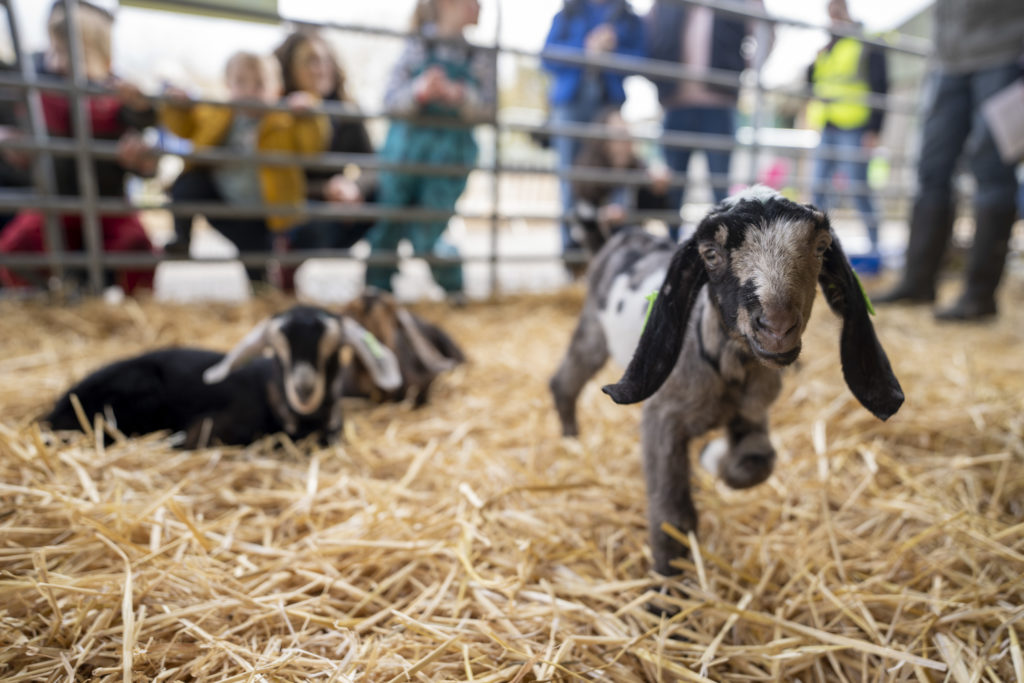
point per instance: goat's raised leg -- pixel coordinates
(667, 475)
(745, 457)
(587, 353)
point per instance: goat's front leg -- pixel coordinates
(667, 475)
(331, 433)
(743, 458)
(587, 352)
(279, 406)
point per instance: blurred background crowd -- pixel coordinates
(473, 132)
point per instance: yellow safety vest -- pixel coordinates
(840, 84)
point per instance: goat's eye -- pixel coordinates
(824, 242)
(711, 257)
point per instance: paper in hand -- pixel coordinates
(1004, 114)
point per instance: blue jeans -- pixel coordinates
(953, 124)
(710, 120)
(587, 105)
(834, 142)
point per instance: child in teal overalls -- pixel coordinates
(439, 75)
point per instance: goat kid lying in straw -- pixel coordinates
(748, 277)
(236, 398)
(423, 349)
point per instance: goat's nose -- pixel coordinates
(777, 322)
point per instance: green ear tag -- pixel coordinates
(650, 307)
(867, 301)
(372, 344)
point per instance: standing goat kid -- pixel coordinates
(237, 397)
(748, 277)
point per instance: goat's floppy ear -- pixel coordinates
(866, 368)
(251, 345)
(432, 359)
(441, 340)
(662, 338)
(378, 359)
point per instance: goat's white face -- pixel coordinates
(763, 268)
(304, 349)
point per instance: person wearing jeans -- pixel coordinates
(845, 73)
(842, 151)
(978, 45)
(578, 94)
(703, 41)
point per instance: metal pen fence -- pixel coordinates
(85, 150)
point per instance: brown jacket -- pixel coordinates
(207, 125)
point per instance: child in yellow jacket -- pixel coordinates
(251, 79)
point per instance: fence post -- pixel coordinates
(86, 170)
(496, 173)
(755, 116)
(43, 175)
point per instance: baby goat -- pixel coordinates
(748, 278)
(215, 397)
(423, 349)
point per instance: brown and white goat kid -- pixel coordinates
(733, 304)
(423, 349)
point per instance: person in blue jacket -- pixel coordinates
(578, 94)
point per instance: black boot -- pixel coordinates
(992, 228)
(931, 224)
(182, 242)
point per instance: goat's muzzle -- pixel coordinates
(304, 388)
(776, 334)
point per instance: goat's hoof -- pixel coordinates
(749, 470)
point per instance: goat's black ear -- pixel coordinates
(430, 356)
(662, 338)
(866, 368)
(441, 340)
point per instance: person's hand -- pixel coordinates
(135, 155)
(601, 39)
(453, 93)
(15, 157)
(611, 214)
(177, 96)
(869, 140)
(430, 85)
(342, 190)
(130, 95)
(301, 101)
(660, 175)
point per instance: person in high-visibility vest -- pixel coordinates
(977, 52)
(843, 77)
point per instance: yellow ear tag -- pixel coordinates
(867, 301)
(650, 307)
(372, 344)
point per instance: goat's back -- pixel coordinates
(157, 390)
(627, 270)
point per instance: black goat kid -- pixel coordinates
(237, 397)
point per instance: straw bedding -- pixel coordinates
(467, 541)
